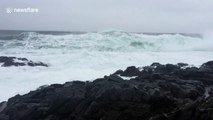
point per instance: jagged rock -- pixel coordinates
(183, 64)
(131, 71)
(159, 92)
(3, 105)
(207, 67)
(118, 72)
(13, 61)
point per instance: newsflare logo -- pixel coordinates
(22, 10)
(9, 10)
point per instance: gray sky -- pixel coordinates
(95, 15)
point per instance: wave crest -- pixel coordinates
(111, 40)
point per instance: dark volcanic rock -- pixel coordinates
(13, 61)
(131, 71)
(207, 67)
(159, 92)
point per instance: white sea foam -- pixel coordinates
(92, 55)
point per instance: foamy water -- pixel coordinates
(92, 55)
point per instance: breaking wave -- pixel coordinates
(109, 40)
(87, 56)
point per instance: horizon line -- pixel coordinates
(79, 31)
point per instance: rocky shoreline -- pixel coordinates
(14, 61)
(155, 92)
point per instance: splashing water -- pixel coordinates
(91, 55)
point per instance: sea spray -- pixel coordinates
(92, 55)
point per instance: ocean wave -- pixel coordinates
(109, 40)
(92, 55)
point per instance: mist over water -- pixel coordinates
(87, 56)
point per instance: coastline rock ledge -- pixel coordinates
(155, 92)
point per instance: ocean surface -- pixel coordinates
(89, 55)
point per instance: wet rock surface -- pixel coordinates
(157, 92)
(14, 61)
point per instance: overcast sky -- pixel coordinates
(95, 15)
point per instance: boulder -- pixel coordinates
(131, 71)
